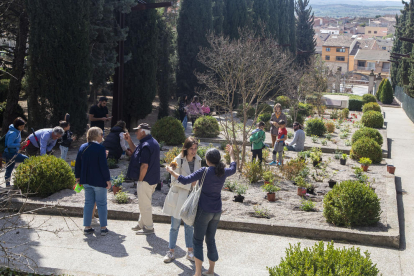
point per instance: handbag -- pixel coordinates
(188, 211)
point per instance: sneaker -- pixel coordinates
(205, 273)
(95, 221)
(136, 228)
(145, 231)
(88, 231)
(279, 164)
(169, 257)
(190, 256)
(273, 163)
(104, 232)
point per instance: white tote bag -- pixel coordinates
(189, 210)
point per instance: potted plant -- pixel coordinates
(391, 169)
(271, 191)
(310, 189)
(343, 159)
(268, 177)
(240, 191)
(117, 182)
(316, 156)
(302, 185)
(365, 162)
(332, 182)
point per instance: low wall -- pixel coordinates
(407, 103)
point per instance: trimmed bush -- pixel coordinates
(345, 113)
(366, 147)
(355, 104)
(330, 126)
(170, 130)
(387, 95)
(379, 91)
(44, 175)
(369, 98)
(320, 261)
(264, 108)
(250, 112)
(306, 109)
(351, 203)
(367, 132)
(372, 119)
(299, 118)
(284, 101)
(206, 127)
(265, 118)
(315, 126)
(371, 106)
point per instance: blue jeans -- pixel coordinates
(63, 152)
(95, 194)
(205, 224)
(175, 227)
(19, 159)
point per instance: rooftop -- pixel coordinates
(385, 42)
(363, 44)
(377, 55)
(338, 41)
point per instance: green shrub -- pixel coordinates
(352, 204)
(170, 130)
(253, 171)
(367, 132)
(264, 108)
(265, 118)
(355, 104)
(122, 197)
(345, 113)
(369, 98)
(44, 175)
(379, 91)
(250, 112)
(284, 101)
(299, 118)
(320, 261)
(366, 147)
(372, 119)
(387, 95)
(305, 109)
(315, 126)
(206, 127)
(371, 106)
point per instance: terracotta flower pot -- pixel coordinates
(391, 169)
(267, 182)
(301, 191)
(271, 197)
(364, 168)
(115, 189)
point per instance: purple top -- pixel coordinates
(210, 198)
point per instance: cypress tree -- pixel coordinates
(140, 72)
(396, 49)
(283, 26)
(260, 15)
(236, 17)
(273, 24)
(194, 23)
(404, 67)
(218, 16)
(59, 61)
(292, 26)
(305, 34)
(387, 96)
(379, 91)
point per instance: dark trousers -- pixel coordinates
(32, 150)
(205, 225)
(257, 153)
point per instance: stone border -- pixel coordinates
(391, 238)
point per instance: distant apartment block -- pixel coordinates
(375, 31)
(331, 30)
(336, 51)
(377, 60)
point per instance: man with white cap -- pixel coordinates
(144, 166)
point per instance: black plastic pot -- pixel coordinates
(331, 183)
(316, 163)
(310, 190)
(343, 161)
(238, 198)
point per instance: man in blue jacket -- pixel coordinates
(47, 138)
(144, 167)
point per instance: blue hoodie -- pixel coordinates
(13, 139)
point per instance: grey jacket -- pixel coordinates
(273, 129)
(298, 141)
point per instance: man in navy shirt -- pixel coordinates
(144, 166)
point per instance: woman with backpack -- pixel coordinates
(12, 147)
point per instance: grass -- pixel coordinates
(351, 96)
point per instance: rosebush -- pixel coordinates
(371, 106)
(206, 127)
(366, 147)
(372, 119)
(367, 132)
(284, 101)
(170, 130)
(351, 203)
(315, 126)
(44, 175)
(369, 98)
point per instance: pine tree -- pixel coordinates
(273, 24)
(59, 60)
(396, 49)
(194, 23)
(305, 34)
(379, 91)
(218, 16)
(260, 15)
(236, 17)
(140, 82)
(387, 96)
(292, 26)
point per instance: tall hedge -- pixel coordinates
(59, 59)
(387, 95)
(378, 94)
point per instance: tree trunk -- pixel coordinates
(17, 72)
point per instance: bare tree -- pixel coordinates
(246, 69)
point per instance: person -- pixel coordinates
(280, 144)
(194, 110)
(145, 167)
(91, 170)
(257, 139)
(205, 108)
(12, 147)
(115, 142)
(182, 106)
(98, 114)
(47, 138)
(188, 162)
(277, 116)
(298, 142)
(66, 139)
(209, 205)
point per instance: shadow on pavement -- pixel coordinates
(110, 244)
(400, 205)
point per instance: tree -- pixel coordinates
(140, 81)
(236, 17)
(305, 34)
(408, 31)
(194, 22)
(274, 15)
(387, 95)
(379, 91)
(218, 16)
(249, 67)
(59, 61)
(396, 49)
(292, 26)
(260, 15)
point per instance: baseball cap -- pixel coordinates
(143, 126)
